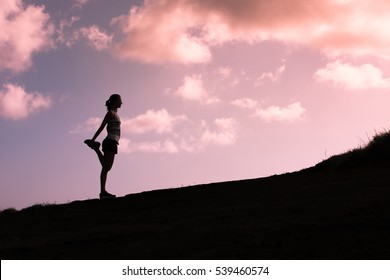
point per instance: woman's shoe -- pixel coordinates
(94, 145)
(104, 195)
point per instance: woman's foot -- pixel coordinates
(105, 194)
(92, 144)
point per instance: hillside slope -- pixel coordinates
(339, 209)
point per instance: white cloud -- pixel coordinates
(25, 30)
(158, 121)
(157, 147)
(193, 89)
(89, 125)
(65, 33)
(352, 77)
(16, 103)
(169, 138)
(225, 132)
(271, 76)
(224, 72)
(80, 3)
(292, 112)
(97, 38)
(245, 103)
(68, 35)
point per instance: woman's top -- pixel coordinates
(114, 127)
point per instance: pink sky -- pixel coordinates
(212, 90)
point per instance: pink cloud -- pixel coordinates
(97, 38)
(245, 103)
(89, 125)
(224, 72)
(16, 103)
(25, 30)
(271, 76)
(157, 147)
(170, 138)
(335, 27)
(225, 132)
(292, 112)
(80, 3)
(158, 121)
(184, 31)
(193, 89)
(158, 32)
(65, 34)
(352, 77)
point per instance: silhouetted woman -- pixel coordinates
(110, 143)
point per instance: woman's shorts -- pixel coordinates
(110, 145)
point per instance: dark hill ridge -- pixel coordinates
(339, 209)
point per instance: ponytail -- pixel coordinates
(108, 104)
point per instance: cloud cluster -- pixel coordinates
(96, 37)
(271, 76)
(290, 113)
(89, 125)
(80, 3)
(25, 30)
(184, 31)
(158, 32)
(175, 133)
(192, 138)
(245, 102)
(157, 121)
(154, 121)
(157, 147)
(225, 132)
(65, 33)
(193, 89)
(16, 103)
(352, 77)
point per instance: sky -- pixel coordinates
(212, 90)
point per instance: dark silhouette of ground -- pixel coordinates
(339, 209)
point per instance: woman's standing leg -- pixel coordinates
(108, 161)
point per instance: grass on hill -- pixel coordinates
(375, 151)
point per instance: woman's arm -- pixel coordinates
(102, 126)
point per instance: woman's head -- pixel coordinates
(114, 102)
